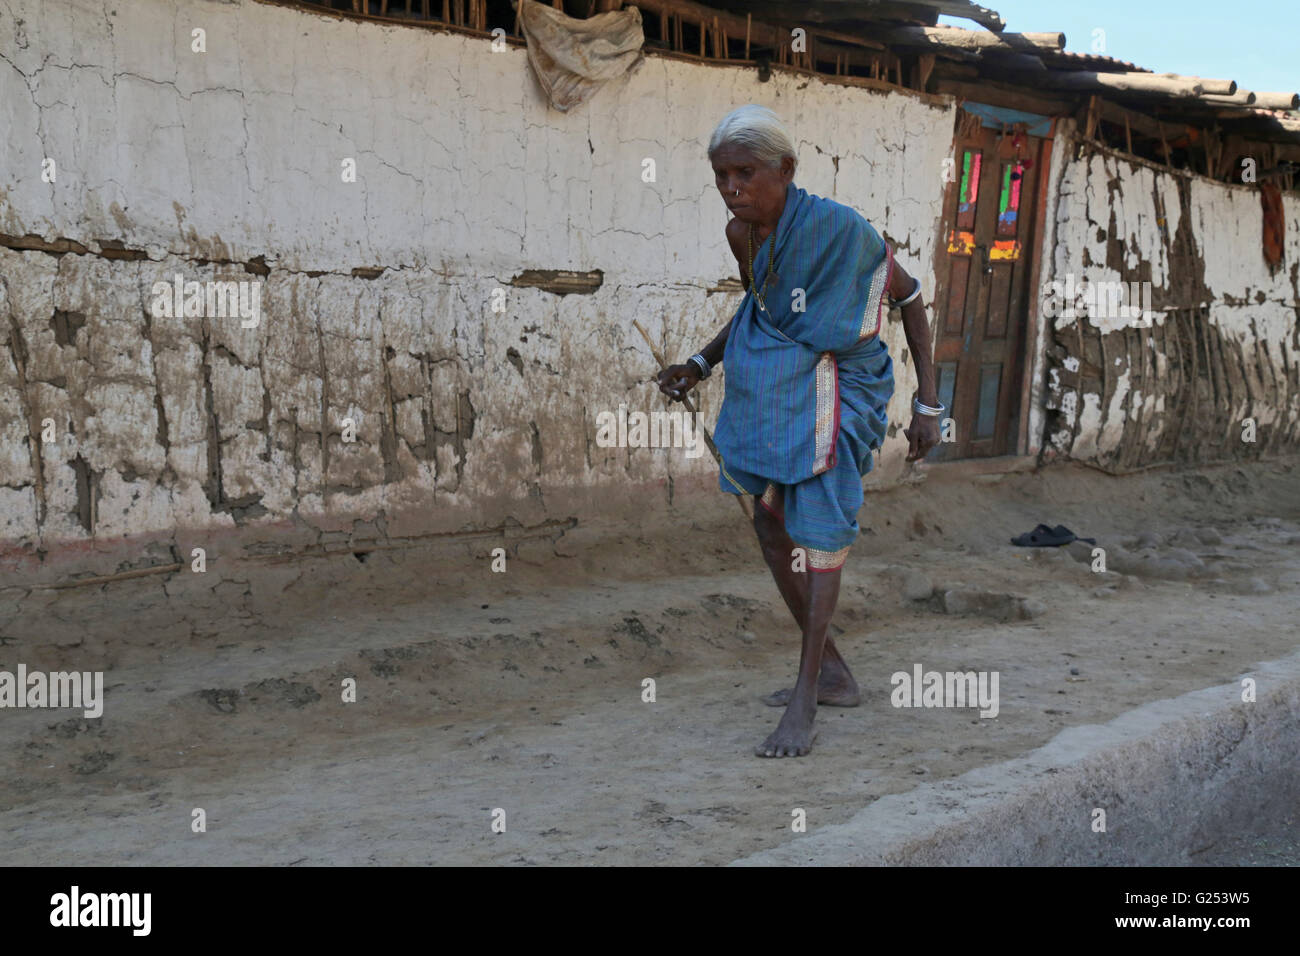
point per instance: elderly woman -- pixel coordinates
(808, 382)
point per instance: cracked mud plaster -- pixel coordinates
(378, 304)
(1224, 345)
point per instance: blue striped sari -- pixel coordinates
(808, 378)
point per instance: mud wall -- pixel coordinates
(1221, 344)
(466, 302)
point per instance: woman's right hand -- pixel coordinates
(676, 380)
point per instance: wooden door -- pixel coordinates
(983, 298)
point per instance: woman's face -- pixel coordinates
(752, 190)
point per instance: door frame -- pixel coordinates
(1019, 447)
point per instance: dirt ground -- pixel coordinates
(523, 691)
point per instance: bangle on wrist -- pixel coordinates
(701, 363)
(916, 290)
(921, 408)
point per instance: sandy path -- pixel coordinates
(533, 704)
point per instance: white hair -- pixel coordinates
(757, 129)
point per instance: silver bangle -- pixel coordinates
(899, 303)
(922, 409)
(700, 362)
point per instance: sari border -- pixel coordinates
(722, 466)
(872, 314)
(771, 500)
(826, 560)
(826, 425)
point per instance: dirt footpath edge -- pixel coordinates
(1172, 777)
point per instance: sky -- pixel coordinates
(1256, 43)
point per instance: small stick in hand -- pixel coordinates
(686, 400)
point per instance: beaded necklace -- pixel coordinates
(767, 276)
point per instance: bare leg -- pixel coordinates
(835, 684)
(794, 734)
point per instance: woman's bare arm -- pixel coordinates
(917, 328)
(676, 380)
(713, 351)
(736, 239)
(923, 434)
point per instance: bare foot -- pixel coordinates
(835, 688)
(831, 698)
(793, 737)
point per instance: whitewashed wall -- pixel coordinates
(466, 418)
(1130, 393)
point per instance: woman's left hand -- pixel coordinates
(922, 435)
